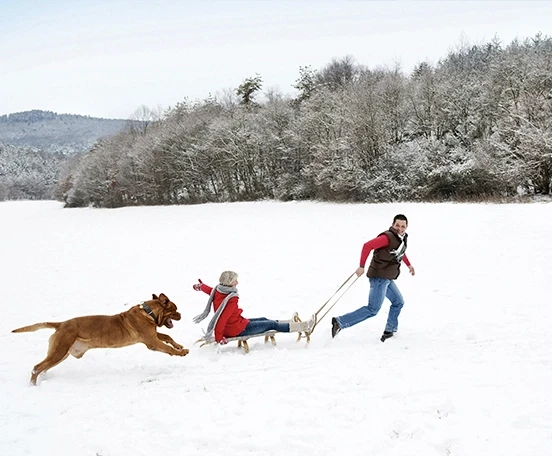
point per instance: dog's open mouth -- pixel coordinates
(169, 323)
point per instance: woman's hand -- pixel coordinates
(197, 286)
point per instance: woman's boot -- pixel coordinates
(303, 326)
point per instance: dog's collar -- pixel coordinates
(149, 311)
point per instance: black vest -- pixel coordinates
(386, 262)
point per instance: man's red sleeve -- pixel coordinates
(377, 243)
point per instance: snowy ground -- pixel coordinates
(469, 373)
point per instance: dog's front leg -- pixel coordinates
(157, 345)
(169, 340)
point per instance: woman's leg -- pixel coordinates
(259, 326)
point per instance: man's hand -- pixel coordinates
(359, 271)
(197, 286)
(411, 270)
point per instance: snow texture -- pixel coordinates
(469, 373)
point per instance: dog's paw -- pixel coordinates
(183, 352)
(178, 346)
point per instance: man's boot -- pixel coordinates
(335, 327)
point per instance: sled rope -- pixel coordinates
(347, 280)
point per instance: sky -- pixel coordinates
(107, 58)
(468, 373)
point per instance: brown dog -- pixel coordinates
(138, 324)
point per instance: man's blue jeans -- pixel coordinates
(379, 289)
(261, 325)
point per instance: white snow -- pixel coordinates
(469, 373)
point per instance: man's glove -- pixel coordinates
(197, 286)
(223, 341)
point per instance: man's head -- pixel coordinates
(400, 223)
(229, 278)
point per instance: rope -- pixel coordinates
(336, 301)
(319, 319)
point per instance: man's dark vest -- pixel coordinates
(386, 262)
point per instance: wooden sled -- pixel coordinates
(242, 340)
(268, 335)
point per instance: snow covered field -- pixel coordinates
(469, 373)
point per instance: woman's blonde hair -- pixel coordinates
(227, 277)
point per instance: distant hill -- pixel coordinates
(46, 130)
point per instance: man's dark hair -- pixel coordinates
(400, 217)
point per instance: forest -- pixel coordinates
(474, 126)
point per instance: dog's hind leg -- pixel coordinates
(48, 363)
(58, 350)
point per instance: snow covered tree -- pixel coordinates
(306, 83)
(338, 73)
(248, 88)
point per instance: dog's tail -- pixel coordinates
(36, 327)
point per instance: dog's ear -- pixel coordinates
(154, 296)
(163, 299)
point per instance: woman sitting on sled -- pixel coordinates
(228, 320)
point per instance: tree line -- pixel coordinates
(28, 173)
(476, 125)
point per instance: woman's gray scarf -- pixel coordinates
(230, 292)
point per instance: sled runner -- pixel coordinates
(242, 340)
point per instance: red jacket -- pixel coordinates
(230, 322)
